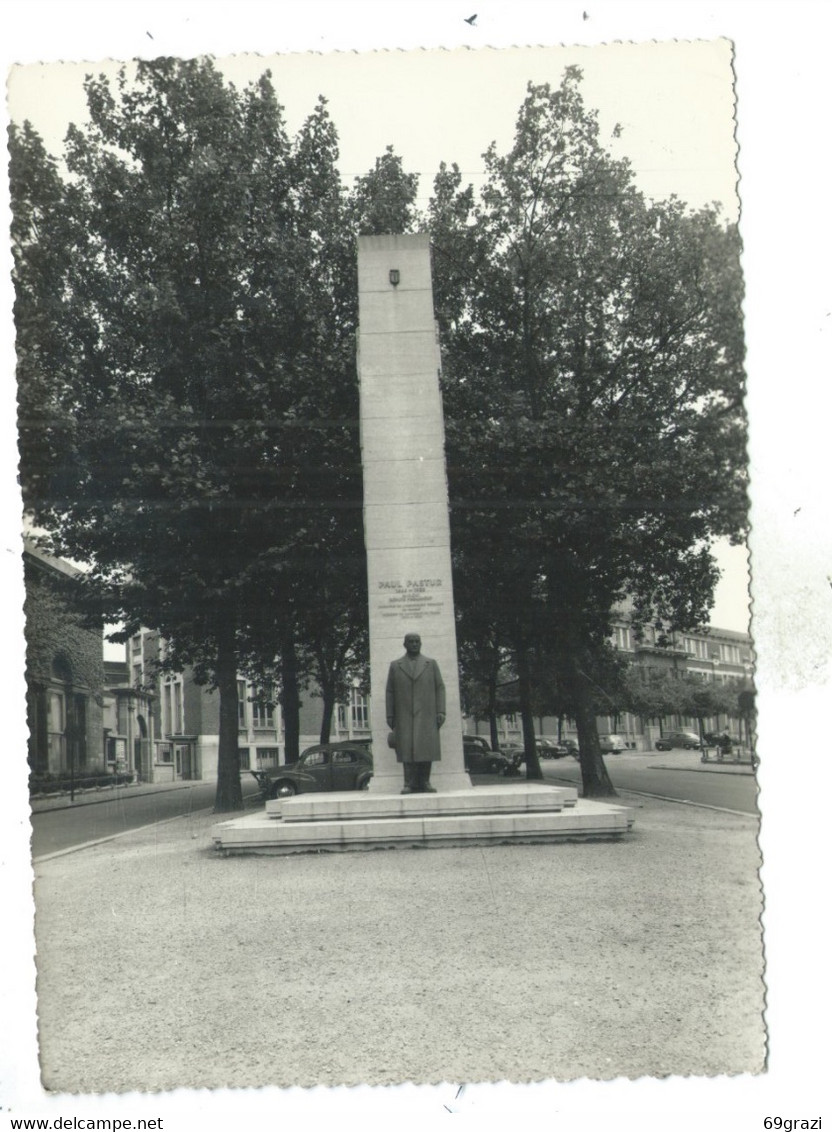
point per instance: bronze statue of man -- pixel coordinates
(415, 712)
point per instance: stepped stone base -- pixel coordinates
(488, 814)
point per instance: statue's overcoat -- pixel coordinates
(413, 703)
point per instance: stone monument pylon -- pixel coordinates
(407, 533)
(406, 522)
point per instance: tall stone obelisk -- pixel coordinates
(406, 522)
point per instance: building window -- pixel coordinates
(730, 654)
(621, 638)
(242, 701)
(267, 756)
(359, 710)
(173, 722)
(262, 715)
(696, 647)
(77, 728)
(56, 730)
(245, 759)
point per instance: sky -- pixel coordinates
(784, 90)
(674, 103)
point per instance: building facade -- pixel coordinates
(181, 728)
(720, 656)
(128, 725)
(65, 679)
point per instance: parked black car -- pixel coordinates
(551, 749)
(325, 767)
(687, 740)
(481, 759)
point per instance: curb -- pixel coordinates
(694, 805)
(748, 772)
(112, 837)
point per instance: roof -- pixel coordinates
(60, 565)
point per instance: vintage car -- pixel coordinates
(687, 740)
(480, 758)
(325, 767)
(612, 744)
(551, 749)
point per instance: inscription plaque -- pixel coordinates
(410, 599)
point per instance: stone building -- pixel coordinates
(65, 680)
(719, 655)
(722, 656)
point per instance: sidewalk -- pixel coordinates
(692, 760)
(62, 801)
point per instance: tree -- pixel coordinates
(652, 696)
(593, 392)
(656, 696)
(189, 437)
(383, 200)
(702, 699)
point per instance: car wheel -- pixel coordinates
(363, 783)
(284, 789)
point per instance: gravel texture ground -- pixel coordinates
(162, 964)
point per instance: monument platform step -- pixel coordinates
(259, 833)
(363, 805)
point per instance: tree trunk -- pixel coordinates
(533, 770)
(596, 781)
(229, 795)
(492, 712)
(328, 696)
(290, 700)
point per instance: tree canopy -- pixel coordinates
(191, 414)
(593, 390)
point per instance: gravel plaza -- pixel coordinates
(522, 963)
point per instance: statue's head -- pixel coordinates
(412, 644)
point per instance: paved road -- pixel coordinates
(70, 825)
(725, 787)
